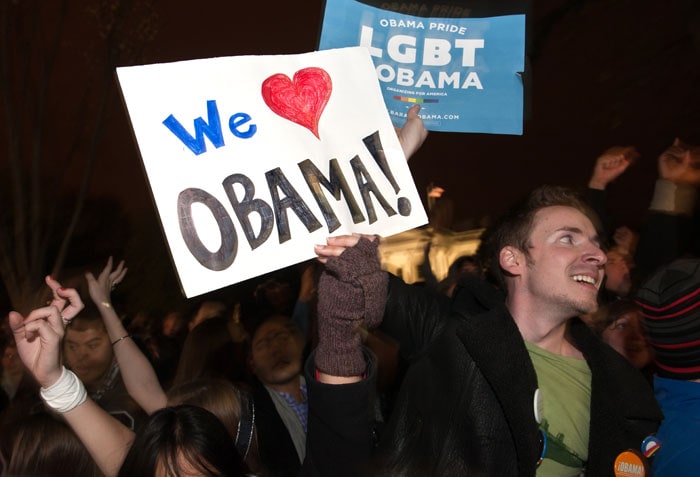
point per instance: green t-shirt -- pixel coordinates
(565, 390)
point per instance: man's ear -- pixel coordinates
(511, 260)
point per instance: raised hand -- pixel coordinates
(611, 164)
(336, 245)
(626, 239)
(680, 164)
(101, 287)
(412, 134)
(66, 300)
(352, 293)
(38, 335)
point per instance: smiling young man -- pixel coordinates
(510, 383)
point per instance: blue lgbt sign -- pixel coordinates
(466, 73)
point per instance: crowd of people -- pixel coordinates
(569, 345)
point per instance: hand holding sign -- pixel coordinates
(302, 100)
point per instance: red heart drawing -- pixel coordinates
(301, 100)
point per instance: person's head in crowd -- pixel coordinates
(274, 296)
(210, 352)
(670, 303)
(276, 351)
(233, 406)
(173, 324)
(140, 324)
(207, 310)
(44, 446)
(182, 441)
(619, 324)
(87, 349)
(550, 232)
(618, 268)
(466, 264)
(12, 367)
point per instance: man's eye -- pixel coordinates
(567, 239)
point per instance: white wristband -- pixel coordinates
(65, 394)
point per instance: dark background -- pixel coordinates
(603, 73)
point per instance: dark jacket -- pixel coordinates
(341, 424)
(466, 404)
(277, 451)
(340, 428)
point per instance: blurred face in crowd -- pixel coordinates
(11, 364)
(276, 353)
(207, 310)
(626, 336)
(278, 295)
(173, 323)
(617, 272)
(88, 353)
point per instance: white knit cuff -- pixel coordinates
(65, 394)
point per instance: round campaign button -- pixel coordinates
(537, 406)
(650, 445)
(631, 463)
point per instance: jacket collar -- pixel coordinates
(494, 342)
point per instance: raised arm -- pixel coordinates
(137, 373)
(610, 165)
(351, 294)
(668, 229)
(340, 374)
(412, 315)
(412, 134)
(38, 337)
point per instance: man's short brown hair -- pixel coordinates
(88, 318)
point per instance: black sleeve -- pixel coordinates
(340, 432)
(414, 315)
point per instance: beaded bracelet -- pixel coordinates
(119, 339)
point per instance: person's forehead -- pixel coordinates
(559, 216)
(84, 335)
(271, 326)
(631, 315)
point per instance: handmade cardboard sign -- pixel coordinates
(252, 160)
(466, 73)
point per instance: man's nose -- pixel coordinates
(595, 254)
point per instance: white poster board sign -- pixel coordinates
(252, 160)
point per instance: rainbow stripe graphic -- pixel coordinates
(415, 100)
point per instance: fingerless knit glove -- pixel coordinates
(352, 292)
